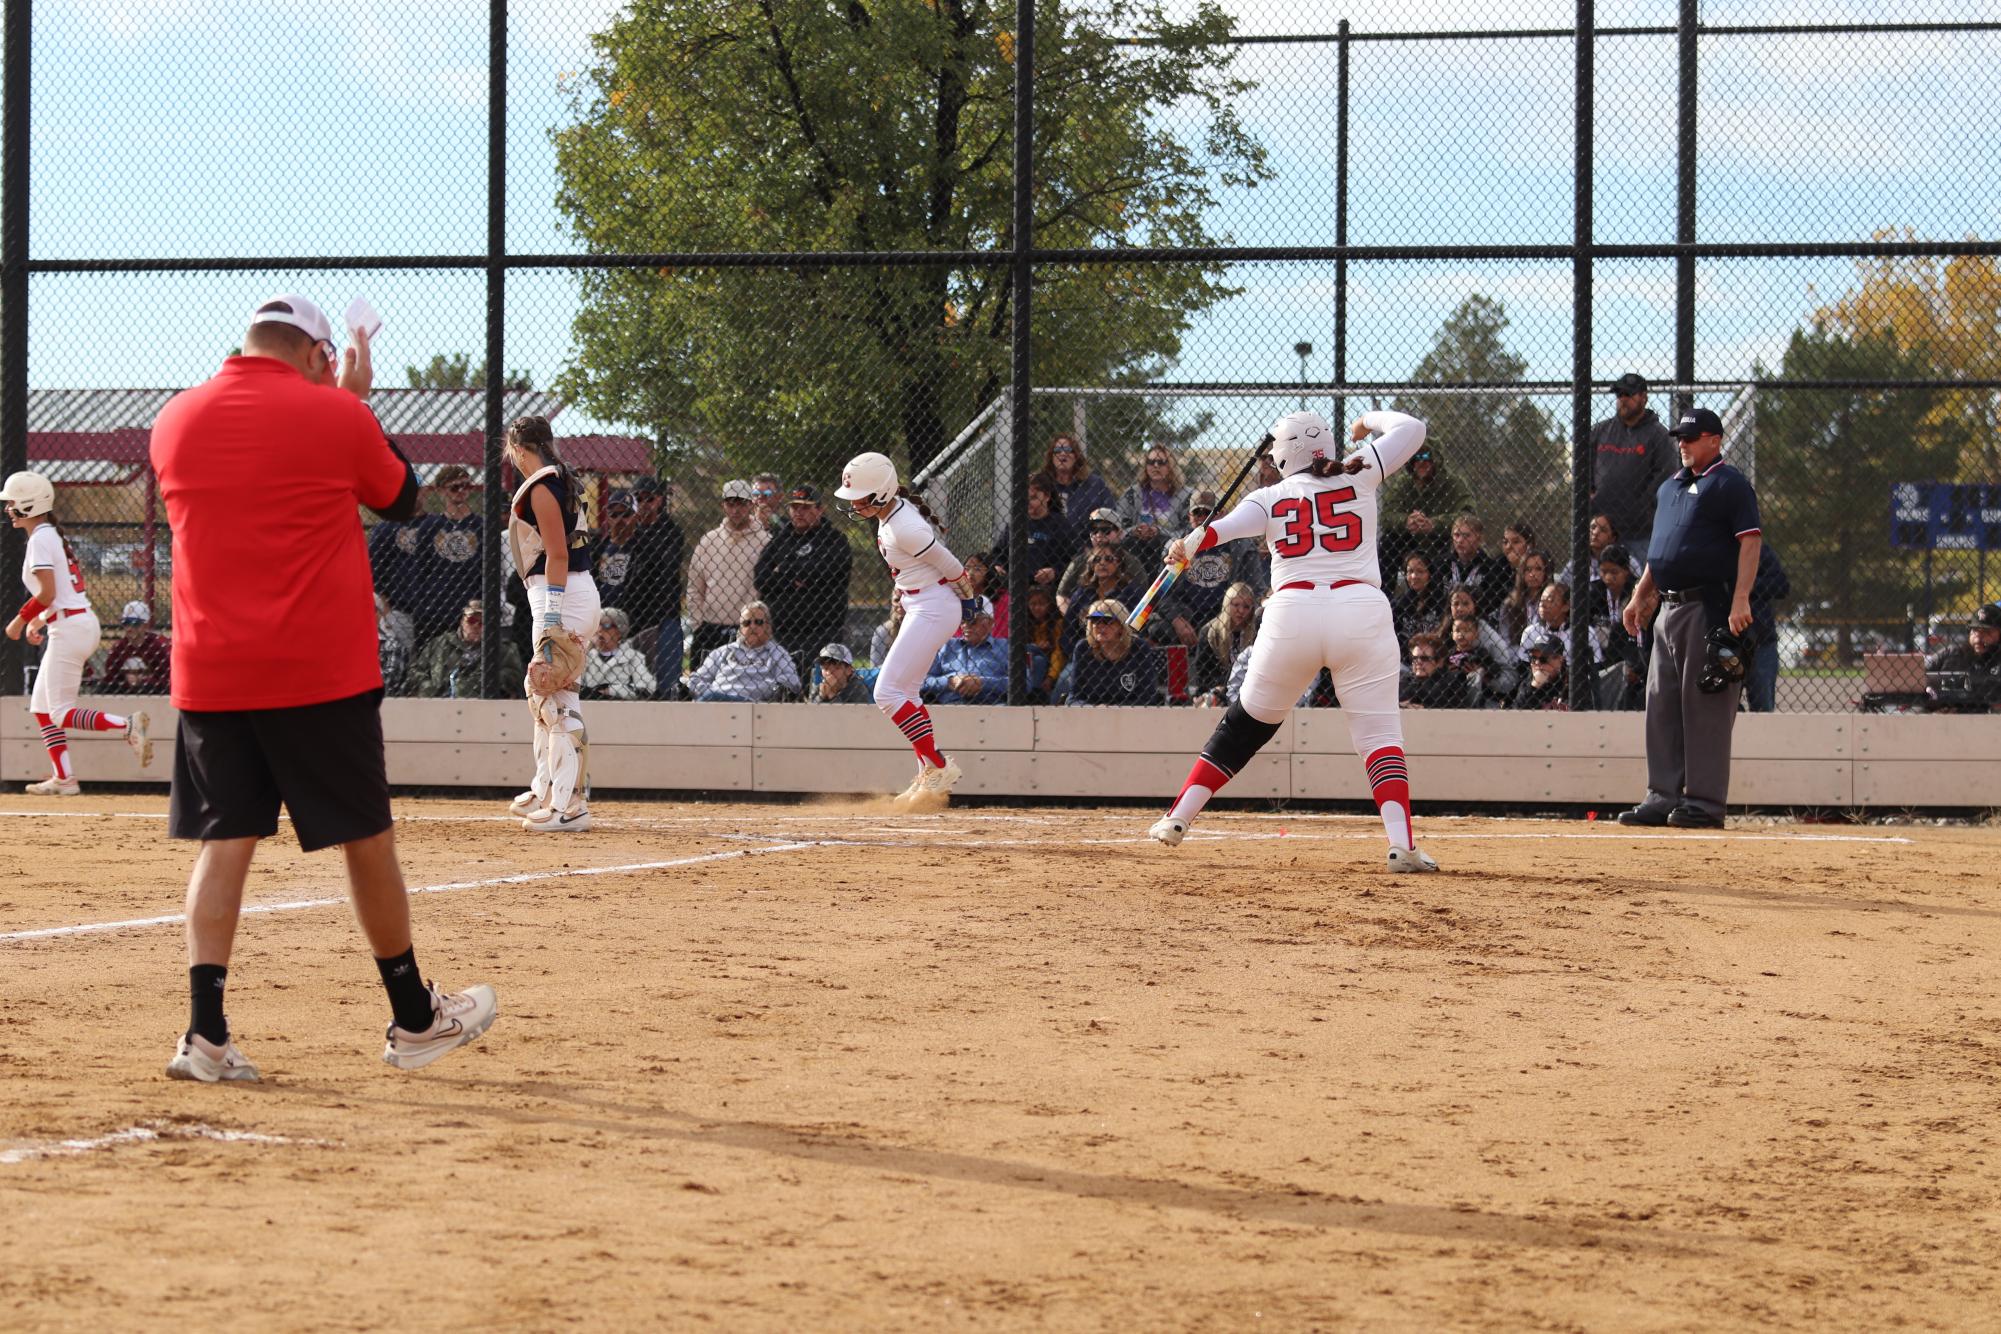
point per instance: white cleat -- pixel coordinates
(909, 793)
(546, 821)
(139, 736)
(199, 1059)
(456, 1019)
(1168, 830)
(1410, 861)
(527, 803)
(56, 787)
(940, 782)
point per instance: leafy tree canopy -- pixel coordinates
(456, 372)
(883, 125)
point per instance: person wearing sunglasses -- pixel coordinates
(1155, 506)
(446, 560)
(753, 669)
(1080, 492)
(1104, 533)
(1429, 685)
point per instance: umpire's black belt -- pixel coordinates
(1674, 597)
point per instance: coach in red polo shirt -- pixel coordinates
(276, 663)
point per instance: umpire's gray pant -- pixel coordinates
(1688, 732)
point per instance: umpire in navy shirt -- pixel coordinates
(1700, 568)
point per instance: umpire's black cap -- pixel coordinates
(1695, 422)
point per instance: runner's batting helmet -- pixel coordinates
(29, 493)
(1298, 438)
(870, 477)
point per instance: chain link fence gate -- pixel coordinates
(724, 250)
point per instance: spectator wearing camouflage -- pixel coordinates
(447, 667)
(1418, 506)
(1631, 455)
(722, 572)
(838, 682)
(802, 575)
(665, 547)
(446, 563)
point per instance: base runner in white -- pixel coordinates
(931, 584)
(1327, 609)
(57, 611)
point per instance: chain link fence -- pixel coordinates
(725, 247)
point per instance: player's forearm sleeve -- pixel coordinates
(1400, 435)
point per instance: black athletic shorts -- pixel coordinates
(323, 761)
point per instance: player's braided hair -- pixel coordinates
(922, 508)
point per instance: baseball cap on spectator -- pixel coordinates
(803, 494)
(1548, 648)
(135, 613)
(620, 500)
(474, 608)
(736, 489)
(616, 618)
(1202, 500)
(838, 652)
(133, 665)
(298, 312)
(1629, 383)
(1104, 514)
(1695, 422)
(1614, 554)
(1989, 616)
(648, 486)
(1102, 616)
(981, 607)
(450, 473)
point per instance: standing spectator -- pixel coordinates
(278, 689)
(1045, 643)
(1518, 611)
(1105, 534)
(838, 682)
(633, 575)
(971, 669)
(1198, 593)
(1049, 542)
(138, 639)
(1630, 457)
(614, 669)
(1470, 566)
(1080, 493)
(1107, 581)
(722, 572)
(1546, 685)
(1420, 608)
(802, 575)
(392, 563)
(1227, 635)
(446, 568)
(764, 492)
(1701, 566)
(1114, 666)
(1155, 507)
(1418, 505)
(1429, 685)
(657, 597)
(1979, 657)
(447, 667)
(753, 669)
(1761, 678)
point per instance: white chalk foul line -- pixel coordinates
(522, 878)
(150, 1133)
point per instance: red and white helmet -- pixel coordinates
(1298, 438)
(870, 477)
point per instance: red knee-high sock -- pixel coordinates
(1203, 781)
(916, 724)
(58, 744)
(91, 720)
(1389, 784)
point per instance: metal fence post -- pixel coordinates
(1341, 87)
(494, 507)
(1583, 680)
(1023, 378)
(19, 23)
(1684, 213)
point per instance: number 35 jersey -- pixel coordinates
(1322, 530)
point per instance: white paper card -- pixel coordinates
(362, 316)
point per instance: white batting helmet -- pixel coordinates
(1298, 438)
(29, 493)
(870, 477)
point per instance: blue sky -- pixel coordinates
(199, 127)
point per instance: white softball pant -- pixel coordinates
(71, 641)
(558, 767)
(930, 615)
(1347, 630)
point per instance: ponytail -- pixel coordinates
(918, 501)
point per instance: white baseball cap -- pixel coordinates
(135, 613)
(298, 312)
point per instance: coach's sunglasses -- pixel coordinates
(755, 620)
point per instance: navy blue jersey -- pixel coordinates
(579, 541)
(1698, 520)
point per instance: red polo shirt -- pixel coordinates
(273, 604)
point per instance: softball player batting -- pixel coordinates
(930, 583)
(1327, 609)
(57, 610)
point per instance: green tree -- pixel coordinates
(456, 372)
(1826, 462)
(1501, 445)
(883, 125)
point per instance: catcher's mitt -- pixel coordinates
(558, 663)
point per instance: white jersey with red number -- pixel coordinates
(916, 557)
(1322, 530)
(46, 552)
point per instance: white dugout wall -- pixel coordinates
(1831, 760)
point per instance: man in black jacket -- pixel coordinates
(802, 575)
(662, 545)
(1631, 455)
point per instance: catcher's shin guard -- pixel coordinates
(563, 771)
(581, 739)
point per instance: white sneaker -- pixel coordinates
(527, 803)
(1168, 830)
(547, 821)
(56, 787)
(456, 1019)
(199, 1059)
(138, 735)
(1409, 861)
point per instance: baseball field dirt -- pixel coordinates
(821, 1066)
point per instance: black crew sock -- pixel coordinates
(205, 981)
(408, 996)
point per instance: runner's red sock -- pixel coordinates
(57, 743)
(1389, 784)
(916, 724)
(91, 720)
(1203, 781)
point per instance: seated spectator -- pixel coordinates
(133, 678)
(1469, 565)
(1553, 623)
(1045, 643)
(1241, 668)
(1547, 685)
(1979, 657)
(392, 622)
(1608, 595)
(980, 576)
(1517, 541)
(448, 666)
(1429, 685)
(1105, 535)
(1519, 609)
(393, 653)
(1114, 666)
(753, 669)
(1227, 635)
(613, 668)
(1199, 591)
(1155, 507)
(1420, 608)
(1460, 602)
(838, 682)
(971, 669)
(1488, 669)
(138, 639)
(1417, 507)
(1599, 536)
(1105, 578)
(1049, 542)
(885, 634)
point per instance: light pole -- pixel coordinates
(1304, 350)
